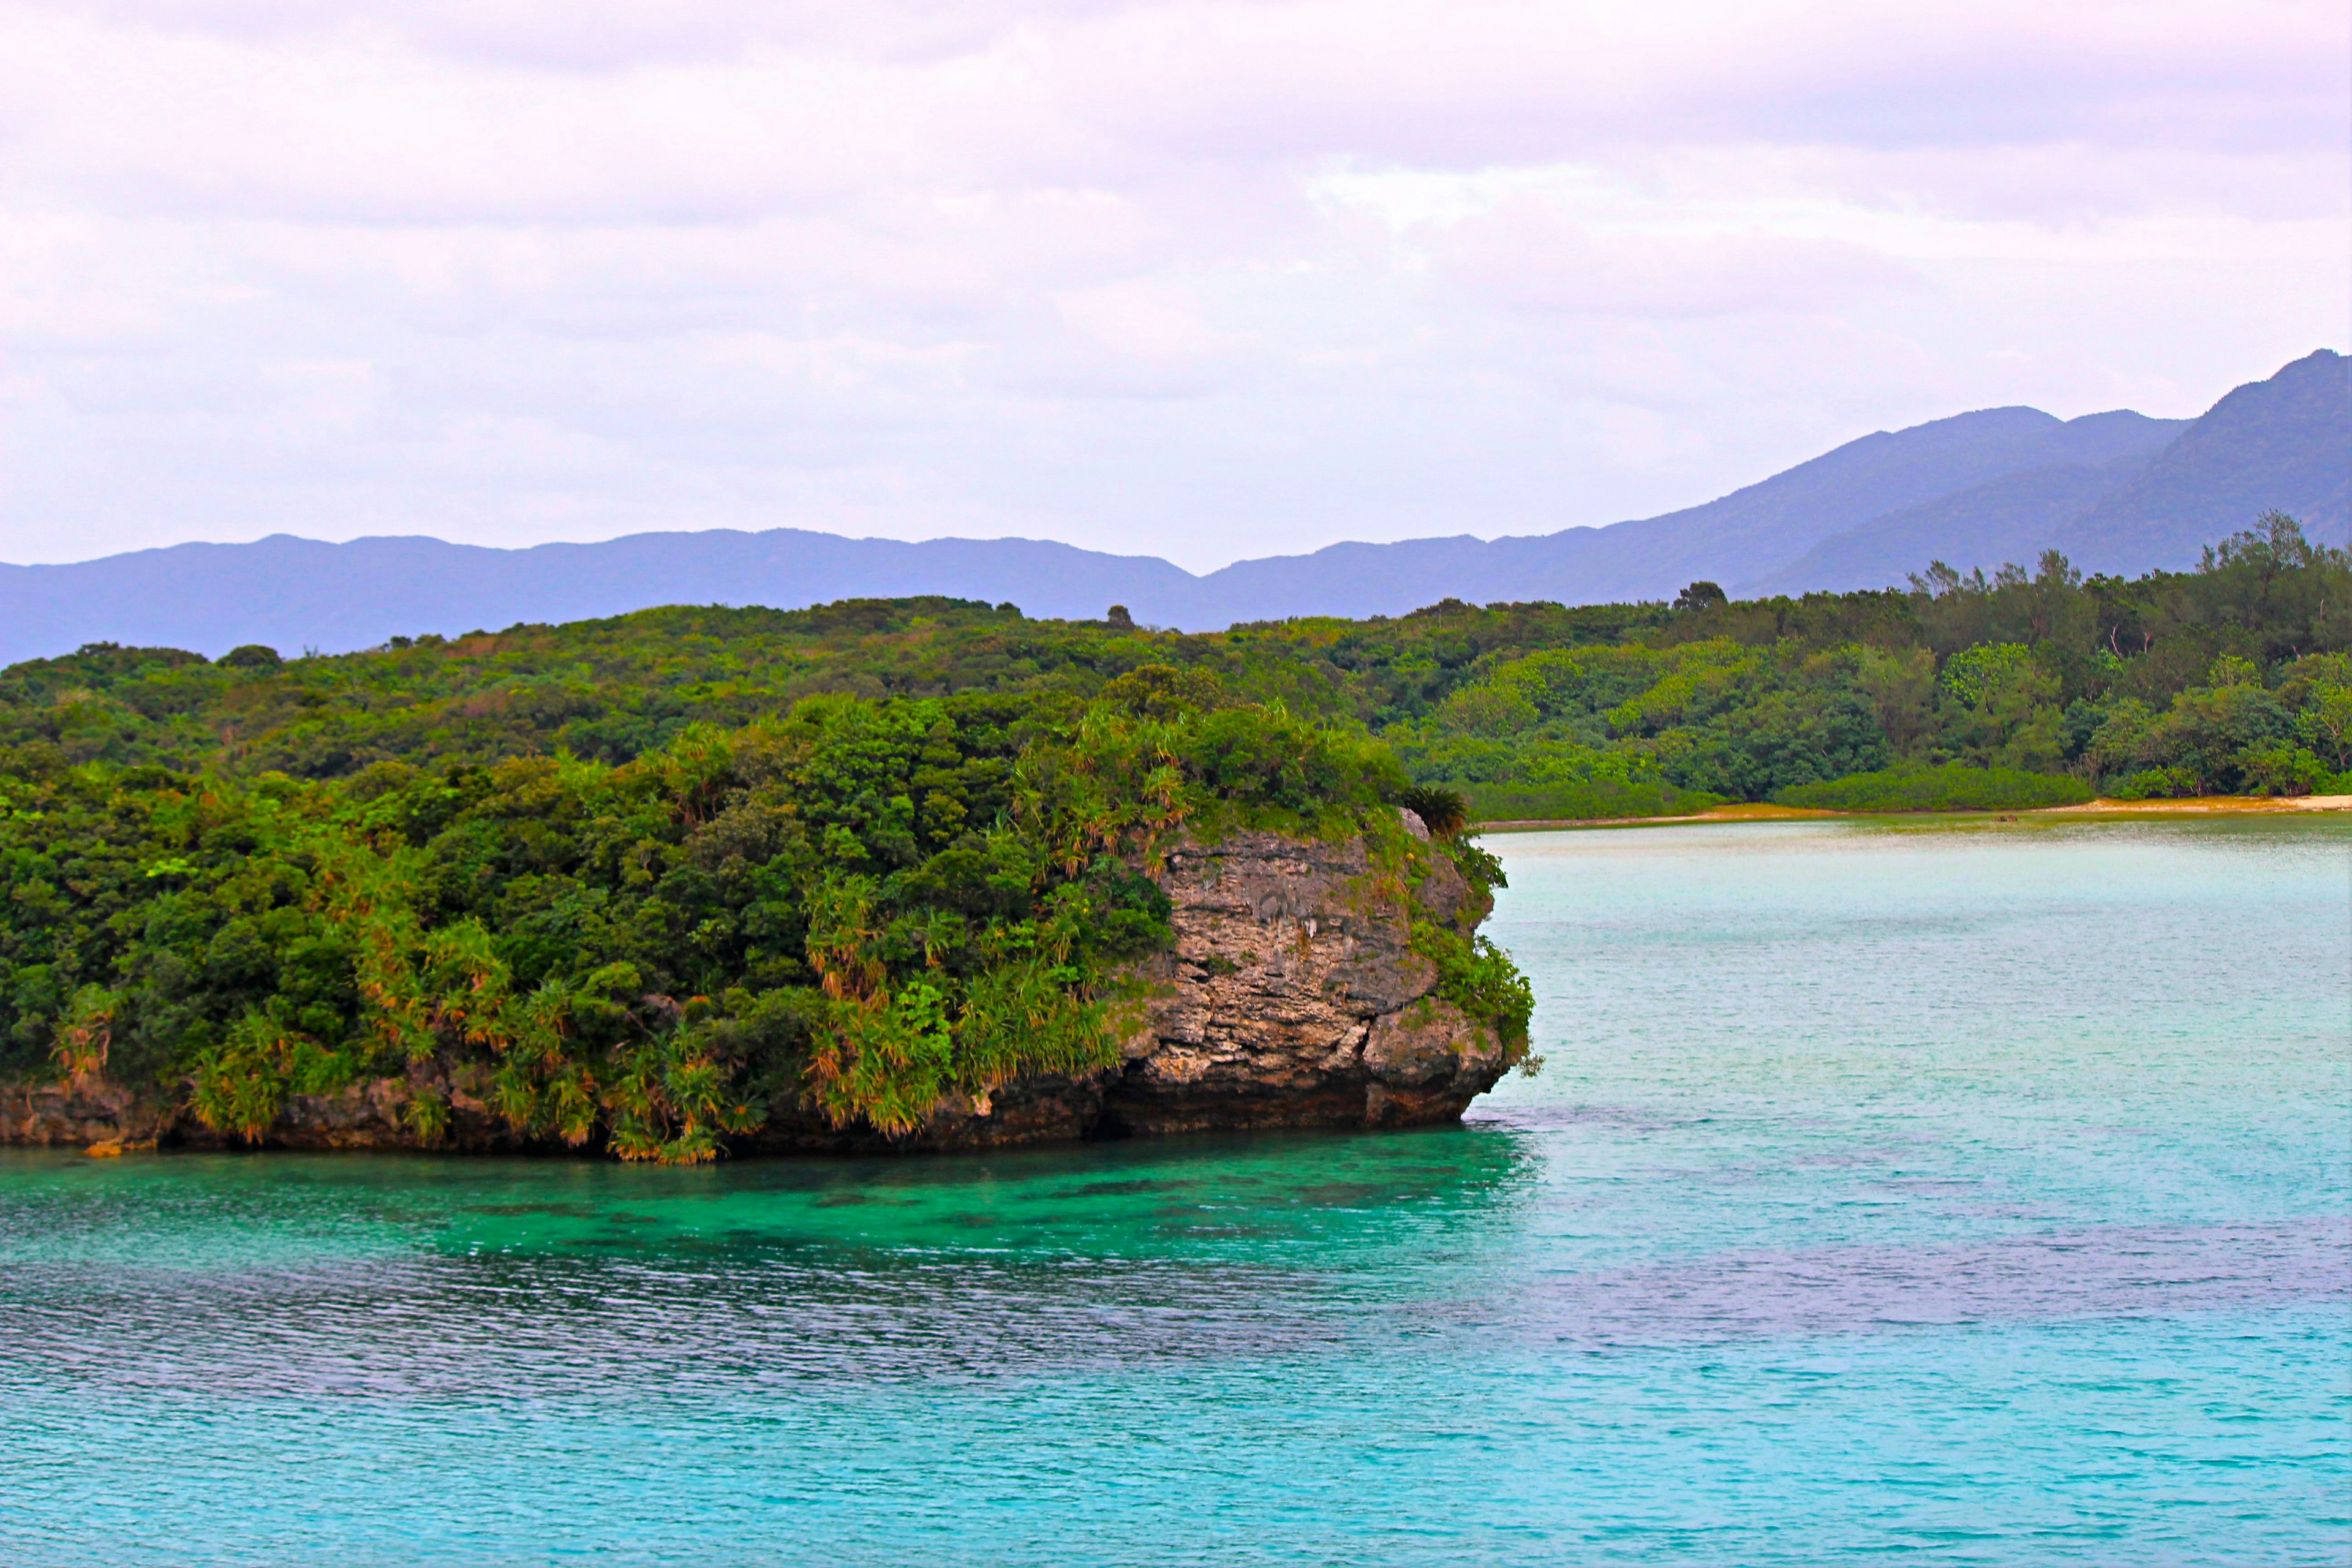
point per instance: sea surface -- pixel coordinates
(1961, 1193)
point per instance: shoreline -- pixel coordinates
(2198, 806)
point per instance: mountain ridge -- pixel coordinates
(2117, 490)
(1728, 539)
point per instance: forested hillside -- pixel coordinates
(2223, 679)
(2013, 690)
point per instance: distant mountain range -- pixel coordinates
(2118, 492)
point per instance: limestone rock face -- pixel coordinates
(107, 1117)
(77, 1115)
(1291, 999)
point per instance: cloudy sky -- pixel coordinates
(1204, 279)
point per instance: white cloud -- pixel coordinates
(1207, 278)
(1531, 254)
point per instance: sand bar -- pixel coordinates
(2199, 806)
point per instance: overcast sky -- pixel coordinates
(1193, 278)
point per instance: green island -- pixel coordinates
(655, 877)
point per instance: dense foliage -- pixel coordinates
(2233, 678)
(2229, 678)
(857, 906)
(1951, 787)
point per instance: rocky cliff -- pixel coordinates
(1292, 997)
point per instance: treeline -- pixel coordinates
(1966, 692)
(848, 910)
(2225, 679)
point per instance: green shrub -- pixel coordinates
(1953, 787)
(1479, 978)
(1444, 812)
(2279, 768)
(1600, 798)
(2154, 783)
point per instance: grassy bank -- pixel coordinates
(1952, 787)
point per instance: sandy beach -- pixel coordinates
(2210, 805)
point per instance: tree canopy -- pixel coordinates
(857, 905)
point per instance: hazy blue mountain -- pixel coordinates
(2283, 443)
(2014, 518)
(2117, 490)
(1734, 539)
(293, 594)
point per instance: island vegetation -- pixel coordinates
(857, 905)
(657, 874)
(2228, 679)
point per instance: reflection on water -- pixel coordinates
(1985, 1194)
(472, 1279)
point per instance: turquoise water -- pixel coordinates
(1965, 1195)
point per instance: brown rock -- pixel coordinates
(1292, 998)
(77, 1115)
